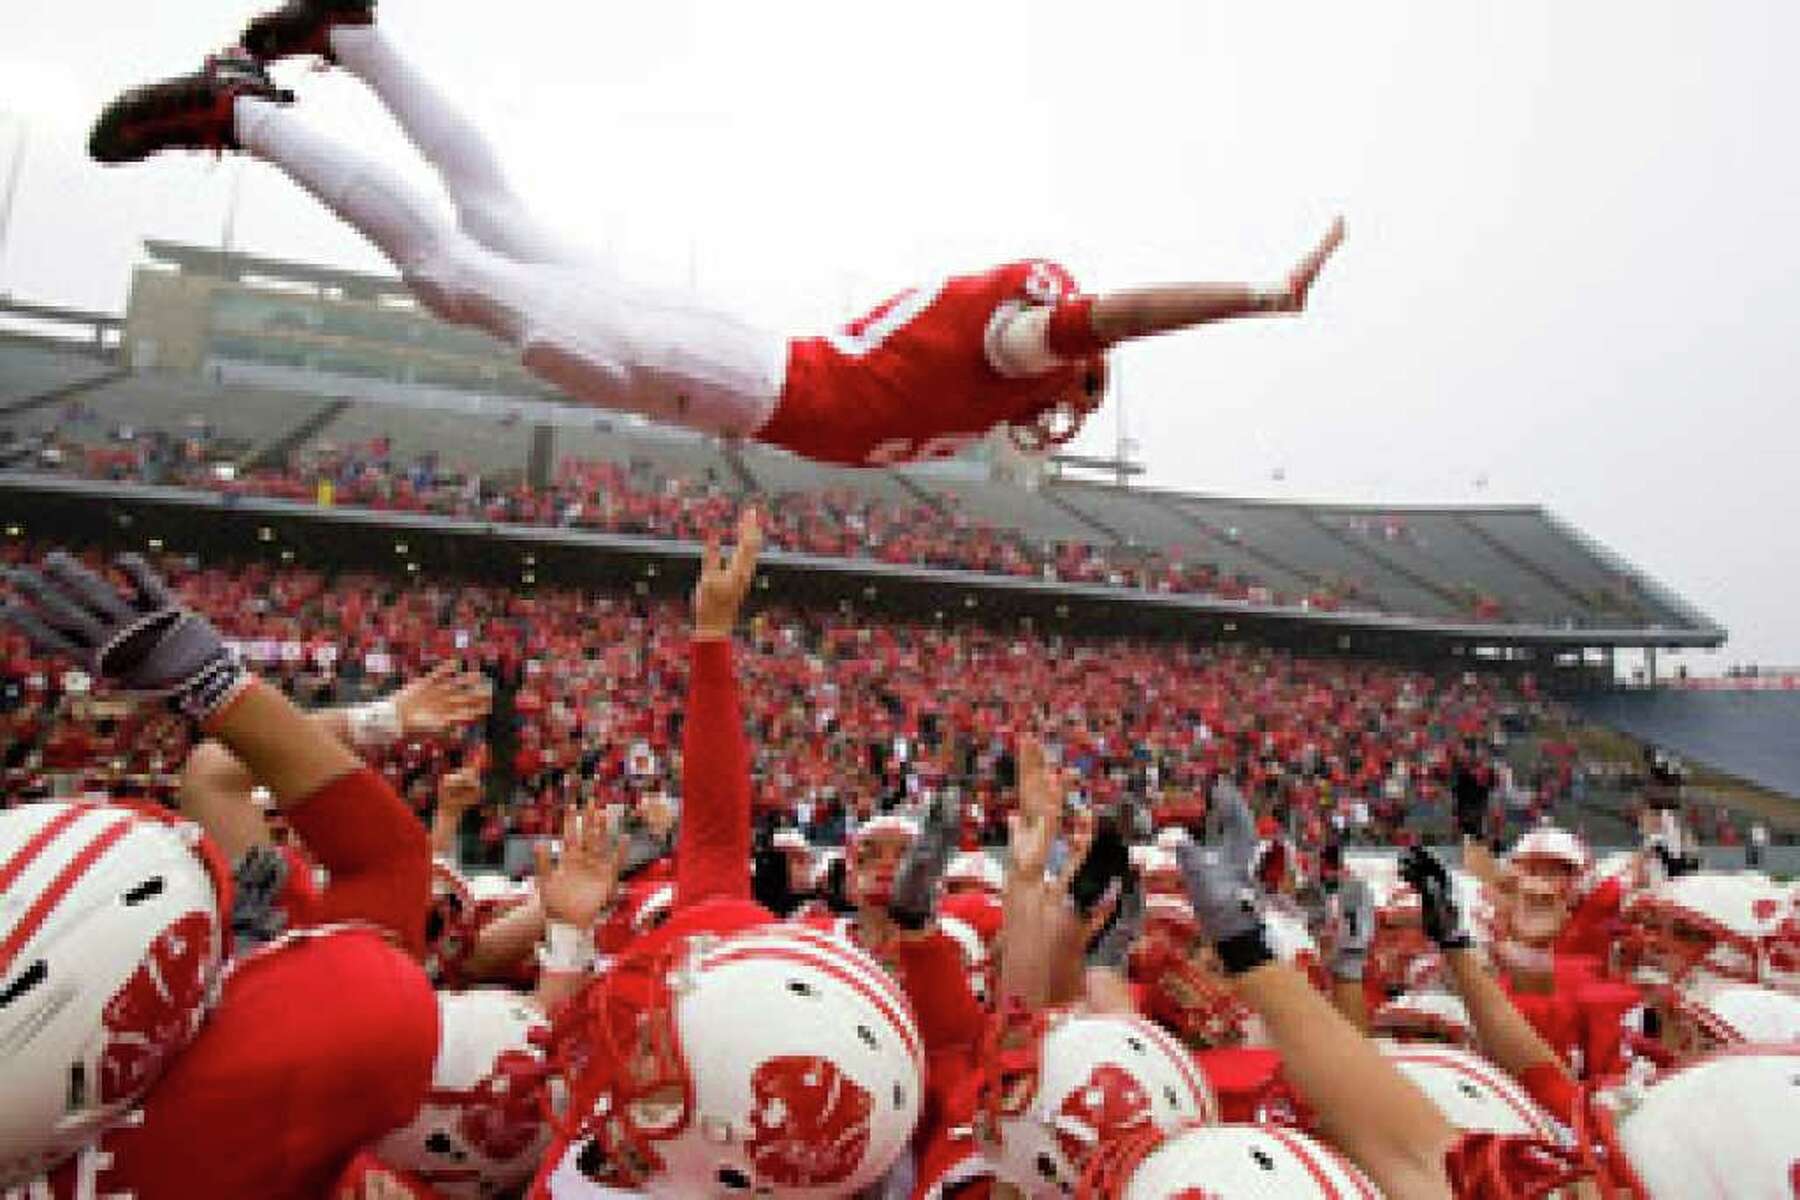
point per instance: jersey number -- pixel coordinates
(862, 338)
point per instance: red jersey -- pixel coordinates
(915, 379)
(319, 1046)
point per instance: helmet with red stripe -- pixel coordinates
(779, 1061)
(1438, 1017)
(1223, 1162)
(112, 932)
(1697, 1020)
(1472, 1093)
(482, 1128)
(1711, 927)
(1058, 1086)
(1722, 1127)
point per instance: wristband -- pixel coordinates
(566, 949)
(219, 681)
(374, 725)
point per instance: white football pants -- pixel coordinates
(573, 322)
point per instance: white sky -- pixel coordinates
(1573, 267)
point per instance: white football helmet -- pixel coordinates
(1732, 1014)
(1062, 1084)
(1471, 1092)
(1439, 1017)
(1706, 926)
(1557, 849)
(112, 933)
(974, 870)
(1223, 1162)
(780, 1061)
(483, 1126)
(1719, 1129)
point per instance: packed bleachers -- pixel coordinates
(1483, 565)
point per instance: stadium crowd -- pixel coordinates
(818, 906)
(634, 498)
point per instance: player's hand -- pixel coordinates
(1300, 280)
(443, 699)
(1443, 918)
(459, 790)
(1220, 887)
(1031, 831)
(720, 592)
(581, 884)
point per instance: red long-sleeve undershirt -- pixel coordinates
(712, 853)
(377, 853)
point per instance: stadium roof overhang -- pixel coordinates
(86, 512)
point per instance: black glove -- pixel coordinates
(145, 643)
(1438, 910)
(1112, 945)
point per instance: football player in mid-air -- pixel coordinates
(925, 373)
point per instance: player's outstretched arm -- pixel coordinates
(713, 839)
(1365, 1105)
(142, 639)
(1165, 308)
(1505, 1035)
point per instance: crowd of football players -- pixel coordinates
(831, 908)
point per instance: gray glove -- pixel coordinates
(145, 643)
(914, 901)
(1355, 929)
(1224, 897)
(1113, 946)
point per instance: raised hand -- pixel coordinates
(1033, 829)
(444, 699)
(720, 591)
(578, 886)
(1220, 888)
(459, 790)
(142, 640)
(1292, 298)
(1353, 930)
(1438, 910)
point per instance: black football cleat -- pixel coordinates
(188, 112)
(303, 27)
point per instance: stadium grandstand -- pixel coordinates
(288, 417)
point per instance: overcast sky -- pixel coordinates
(1572, 276)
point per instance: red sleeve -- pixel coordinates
(1071, 334)
(377, 853)
(712, 852)
(1555, 1092)
(937, 982)
(1590, 929)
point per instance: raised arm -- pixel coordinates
(143, 640)
(712, 854)
(1364, 1104)
(1145, 312)
(1505, 1035)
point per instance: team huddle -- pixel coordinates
(304, 997)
